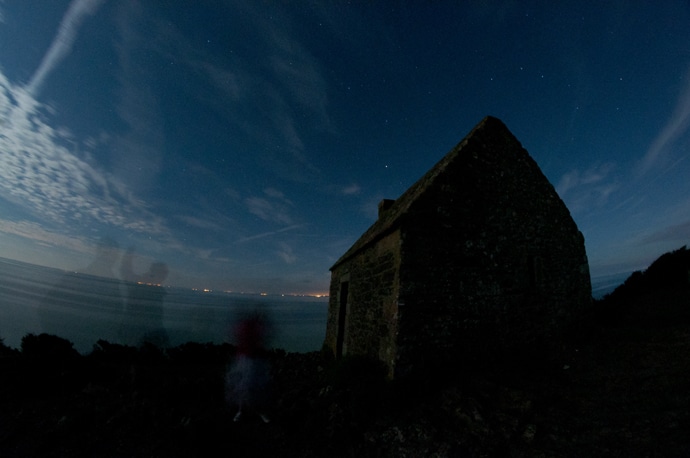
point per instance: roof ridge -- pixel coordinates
(388, 220)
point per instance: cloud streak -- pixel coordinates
(286, 253)
(273, 207)
(677, 125)
(352, 189)
(591, 188)
(39, 173)
(265, 96)
(269, 234)
(38, 234)
(141, 146)
(63, 41)
(678, 233)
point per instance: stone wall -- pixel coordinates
(371, 316)
(492, 261)
(477, 260)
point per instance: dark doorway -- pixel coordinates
(342, 315)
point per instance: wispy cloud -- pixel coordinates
(269, 233)
(351, 189)
(276, 194)
(286, 253)
(267, 210)
(39, 169)
(200, 223)
(63, 41)
(40, 173)
(37, 233)
(677, 233)
(265, 96)
(140, 147)
(677, 125)
(272, 207)
(299, 73)
(589, 188)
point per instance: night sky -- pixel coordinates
(247, 144)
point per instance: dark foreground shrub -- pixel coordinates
(47, 347)
(5, 350)
(357, 371)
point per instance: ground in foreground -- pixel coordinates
(622, 390)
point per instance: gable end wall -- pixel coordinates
(492, 261)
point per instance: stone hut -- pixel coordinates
(479, 258)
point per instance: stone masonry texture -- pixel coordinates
(479, 259)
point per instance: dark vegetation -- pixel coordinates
(655, 294)
(620, 387)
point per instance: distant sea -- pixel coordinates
(84, 309)
(605, 284)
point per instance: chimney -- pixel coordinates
(384, 205)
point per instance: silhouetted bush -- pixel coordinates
(151, 354)
(201, 353)
(5, 350)
(52, 366)
(104, 351)
(668, 275)
(670, 271)
(48, 348)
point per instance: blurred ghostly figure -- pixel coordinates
(106, 256)
(86, 305)
(143, 322)
(248, 376)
